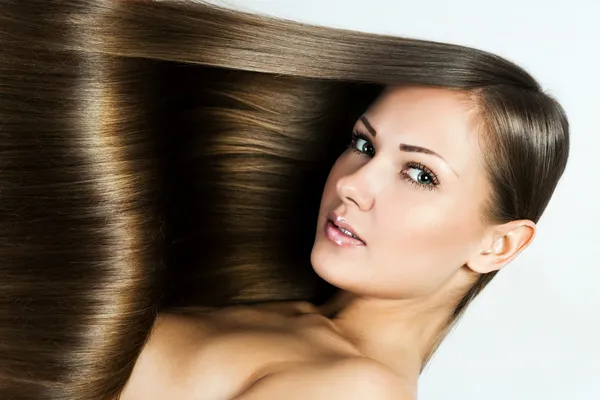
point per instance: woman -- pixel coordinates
(142, 135)
(410, 220)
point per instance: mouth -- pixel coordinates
(340, 232)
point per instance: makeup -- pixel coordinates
(338, 231)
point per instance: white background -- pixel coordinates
(534, 333)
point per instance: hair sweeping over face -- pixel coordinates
(166, 155)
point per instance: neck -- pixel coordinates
(400, 333)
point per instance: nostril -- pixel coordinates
(352, 200)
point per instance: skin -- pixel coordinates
(425, 241)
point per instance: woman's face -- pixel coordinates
(411, 187)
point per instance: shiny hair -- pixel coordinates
(165, 155)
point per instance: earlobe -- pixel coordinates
(508, 242)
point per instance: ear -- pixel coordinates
(502, 245)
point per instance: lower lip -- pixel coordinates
(336, 236)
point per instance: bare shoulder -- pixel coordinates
(347, 378)
(167, 355)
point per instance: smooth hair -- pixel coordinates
(166, 155)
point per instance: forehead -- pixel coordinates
(443, 120)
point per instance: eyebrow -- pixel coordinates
(368, 125)
(408, 148)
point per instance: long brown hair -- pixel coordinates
(172, 154)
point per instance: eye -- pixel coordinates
(420, 175)
(362, 145)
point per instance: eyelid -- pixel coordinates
(362, 135)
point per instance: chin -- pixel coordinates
(335, 267)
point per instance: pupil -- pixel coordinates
(424, 178)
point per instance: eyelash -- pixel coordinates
(356, 135)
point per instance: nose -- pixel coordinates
(356, 189)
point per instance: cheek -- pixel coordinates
(330, 190)
(422, 240)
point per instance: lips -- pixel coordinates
(340, 232)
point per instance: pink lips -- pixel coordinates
(333, 231)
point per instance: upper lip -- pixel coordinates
(341, 222)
